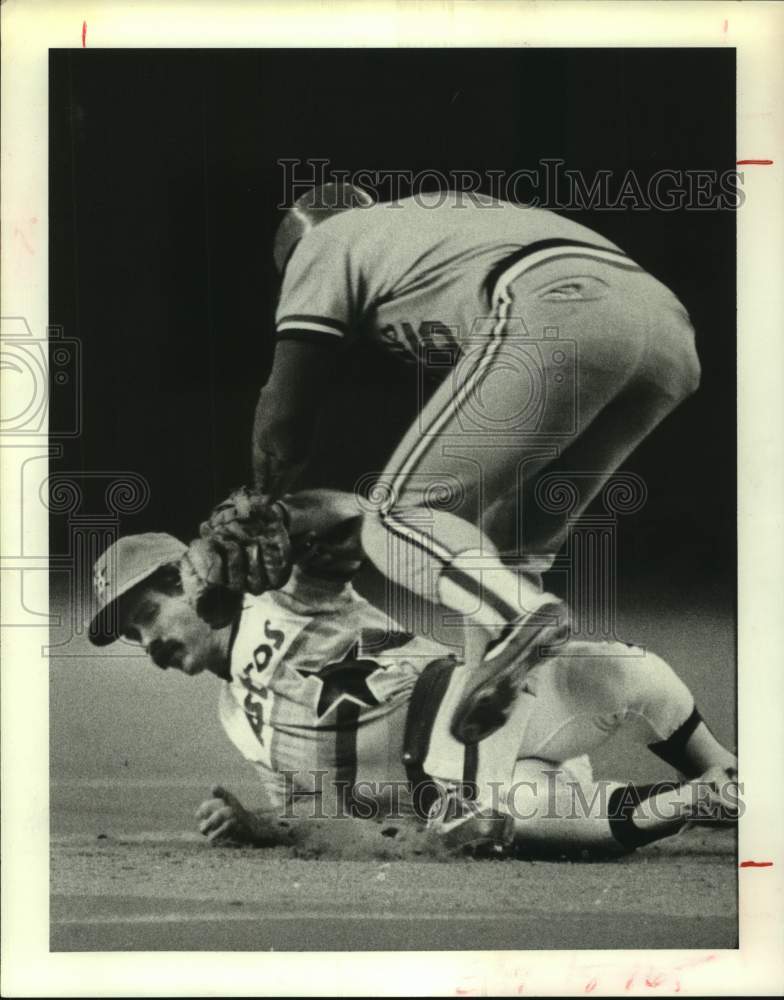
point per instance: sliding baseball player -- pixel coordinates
(334, 708)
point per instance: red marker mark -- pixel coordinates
(726, 25)
(761, 163)
(84, 34)
(755, 864)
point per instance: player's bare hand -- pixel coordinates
(223, 818)
(272, 475)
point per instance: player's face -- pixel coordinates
(171, 632)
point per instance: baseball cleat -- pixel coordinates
(462, 826)
(492, 689)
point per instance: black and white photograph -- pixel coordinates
(384, 434)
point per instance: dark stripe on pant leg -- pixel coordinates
(466, 582)
(470, 768)
(673, 750)
(459, 577)
(620, 807)
(346, 723)
(395, 524)
(426, 698)
(399, 479)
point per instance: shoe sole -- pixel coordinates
(485, 706)
(480, 837)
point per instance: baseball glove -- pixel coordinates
(244, 547)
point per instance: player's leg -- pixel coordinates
(528, 522)
(481, 433)
(594, 690)
(425, 535)
(658, 360)
(569, 706)
(452, 784)
(582, 700)
(560, 808)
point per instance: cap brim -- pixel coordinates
(105, 624)
(101, 632)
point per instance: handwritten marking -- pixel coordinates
(761, 163)
(84, 34)
(755, 864)
(726, 25)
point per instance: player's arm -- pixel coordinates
(319, 511)
(320, 301)
(287, 412)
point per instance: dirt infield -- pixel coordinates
(171, 892)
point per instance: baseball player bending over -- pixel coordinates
(332, 706)
(554, 353)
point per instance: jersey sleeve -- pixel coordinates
(319, 510)
(320, 300)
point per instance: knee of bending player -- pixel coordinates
(687, 377)
(680, 365)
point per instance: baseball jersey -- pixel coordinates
(320, 683)
(415, 274)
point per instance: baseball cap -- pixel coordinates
(126, 563)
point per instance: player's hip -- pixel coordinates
(568, 275)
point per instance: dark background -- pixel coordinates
(164, 186)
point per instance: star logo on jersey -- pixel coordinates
(344, 683)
